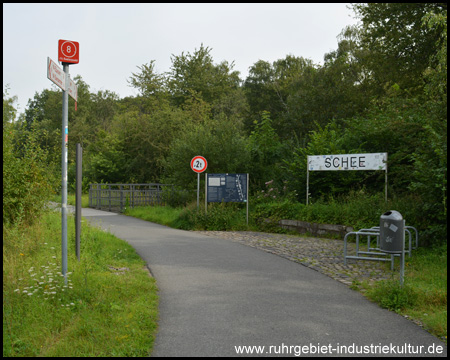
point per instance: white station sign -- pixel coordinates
(372, 161)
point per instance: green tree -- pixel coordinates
(197, 72)
(258, 87)
(430, 158)
(286, 89)
(9, 111)
(146, 140)
(44, 112)
(107, 163)
(147, 81)
(26, 180)
(266, 153)
(399, 43)
(220, 140)
(152, 87)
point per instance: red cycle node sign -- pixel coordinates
(199, 164)
(68, 51)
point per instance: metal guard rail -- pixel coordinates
(116, 197)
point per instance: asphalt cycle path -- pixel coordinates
(221, 298)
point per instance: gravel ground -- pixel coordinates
(323, 255)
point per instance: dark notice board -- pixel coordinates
(227, 187)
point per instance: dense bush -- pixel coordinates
(27, 182)
(219, 217)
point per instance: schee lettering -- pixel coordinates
(345, 162)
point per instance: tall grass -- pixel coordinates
(71, 199)
(424, 294)
(107, 306)
(164, 215)
(218, 217)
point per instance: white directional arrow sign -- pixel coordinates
(73, 90)
(56, 74)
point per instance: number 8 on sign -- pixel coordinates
(199, 164)
(68, 51)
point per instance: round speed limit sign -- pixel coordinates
(199, 164)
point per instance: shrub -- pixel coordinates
(27, 183)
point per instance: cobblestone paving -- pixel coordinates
(323, 255)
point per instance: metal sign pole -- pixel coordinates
(402, 257)
(307, 185)
(198, 191)
(247, 198)
(386, 181)
(78, 201)
(206, 193)
(65, 134)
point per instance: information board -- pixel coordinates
(227, 188)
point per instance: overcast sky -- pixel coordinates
(116, 38)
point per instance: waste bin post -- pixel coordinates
(392, 237)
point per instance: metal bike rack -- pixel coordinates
(373, 253)
(390, 241)
(375, 231)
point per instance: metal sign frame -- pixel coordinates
(347, 162)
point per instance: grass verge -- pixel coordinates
(164, 215)
(107, 307)
(423, 297)
(71, 199)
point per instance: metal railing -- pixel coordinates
(117, 197)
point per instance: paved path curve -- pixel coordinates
(216, 295)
